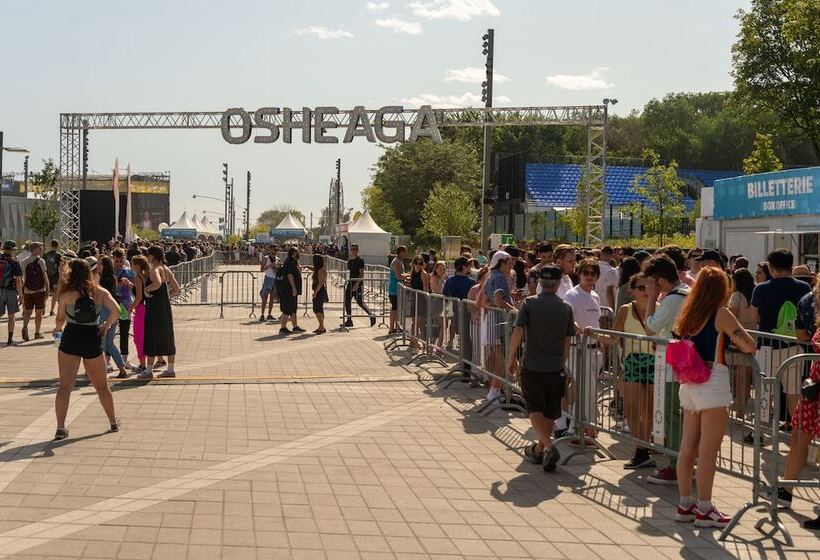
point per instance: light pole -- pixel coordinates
(5, 149)
(487, 97)
(226, 217)
(607, 102)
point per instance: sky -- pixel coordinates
(209, 55)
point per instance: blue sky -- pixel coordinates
(208, 55)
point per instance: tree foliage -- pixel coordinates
(374, 201)
(44, 217)
(662, 210)
(763, 157)
(407, 173)
(450, 210)
(776, 62)
(276, 214)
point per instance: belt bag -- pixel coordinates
(687, 364)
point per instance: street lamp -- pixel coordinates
(5, 149)
(206, 196)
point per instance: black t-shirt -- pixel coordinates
(770, 296)
(356, 267)
(190, 253)
(172, 258)
(292, 267)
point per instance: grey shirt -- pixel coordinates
(548, 321)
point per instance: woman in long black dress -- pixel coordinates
(159, 321)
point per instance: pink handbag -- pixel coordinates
(687, 364)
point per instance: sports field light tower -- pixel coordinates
(487, 98)
(227, 200)
(85, 154)
(248, 208)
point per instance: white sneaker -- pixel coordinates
(493, 394)
(109, 368)
(129, 366)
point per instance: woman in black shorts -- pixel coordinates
(80, 302)
(319, 286)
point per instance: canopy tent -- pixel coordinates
(373, 241)
(183, 228)
(204, 229)
(289, 227)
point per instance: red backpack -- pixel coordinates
(35, 279)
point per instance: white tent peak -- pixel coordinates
(290, 222)
(365, 224)
(184, 222)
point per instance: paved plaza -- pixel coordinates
(318, 447)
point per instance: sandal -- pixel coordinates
(320, 331)
(115, 425)
(119, 376)
(532, 453)
(61, 433)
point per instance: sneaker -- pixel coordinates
(640, 460)
(115, 425)
(297, 330)
(551, 457)
(372, 321)
(167, 374)
(686, 514)
(348, 323)
(25, 334)
(161, 363)
(271, 318)
(493, 394)
(784, 498)
(262, 319)
(531, 452)
(711, 518)
(109, 368)
(146, 375)
(131, 367)
(10, 342)
(812, 524)
(284, 332)
(37, 335)
(664, 477)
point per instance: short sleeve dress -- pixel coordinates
(807, 413)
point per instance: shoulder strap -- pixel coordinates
(637, 315)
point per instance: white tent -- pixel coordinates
(209, 230)
(289, 227)
(183, 228)
(373, 241)
(184, 222)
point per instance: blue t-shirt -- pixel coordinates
(768, 297)
(497, 282)
(806, 318)
(458, 286)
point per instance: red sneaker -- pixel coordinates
(686, 514)
(711, 518)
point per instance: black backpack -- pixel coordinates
(84, 310)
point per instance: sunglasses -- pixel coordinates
(640, 288)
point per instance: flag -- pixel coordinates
(116, 197)
(129, 235)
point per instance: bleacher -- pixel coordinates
(553, 185)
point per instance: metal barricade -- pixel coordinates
(190, 275)
(237, 287)
(370, 295)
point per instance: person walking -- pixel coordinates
(35, 289)
(108, 281)
(270, 264)
(396, 275)
(125, 297)
(291, 289)
(355, 290)
(80, 302)
(159, 320)
(53, 260)
(707, 322)
(11, 286)
(137, 309)
(319, 286)
(548, 324)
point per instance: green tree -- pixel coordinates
(763, 157)
(538, 226)
(276, 214)
(776, 63)
(44, 217)
(147, 233)
(450, 210)
(406, 174)
(382, 212)
(662, 210)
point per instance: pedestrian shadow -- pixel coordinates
(42, 450)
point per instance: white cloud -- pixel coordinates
(594, 79)
(374, 7)
(461, 10)
(472, 75)
(467, 99)
(324, 33)
(399, 25)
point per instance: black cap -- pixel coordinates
(9, 244)
(710, 255)
(549, 272)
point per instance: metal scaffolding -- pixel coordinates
(593, 117)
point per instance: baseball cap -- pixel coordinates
(549, 272)
(710, 255)
(499, 256)
(10, 244)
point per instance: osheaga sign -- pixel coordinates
(780, 193)
(317, 125)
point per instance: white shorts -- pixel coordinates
(715, 393)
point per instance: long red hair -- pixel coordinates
(708, 294)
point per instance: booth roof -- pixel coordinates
(365, 224)
(184, 222)
(289, 222)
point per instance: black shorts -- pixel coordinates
(394, 302)
(543, 392)
(81, 340)
(54, 282)
(318, 305)
(288, 304)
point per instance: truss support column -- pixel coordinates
(70, 173)
(595, 196)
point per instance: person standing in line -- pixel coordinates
(660, 320)
(108, 282)
(396, 275)
(458, 286)
(80, 302)
(744, 284)
(564, 257)
(137, 309)
(270, 264)
(159, 320)
(629, 268)
(125, 297)
(496, 300)
(289, 294)
(319, 294)
(53, 262)
(547, 323)
(355, 267)
(437, 280)
(11, 286)
(707, 322)
(420, 282)
(607, 284)
(544, 253)
(35, 289)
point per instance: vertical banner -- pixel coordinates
(658, 418)
(116, 197)
(763, 355)
(129, 234)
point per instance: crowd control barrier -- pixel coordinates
(190, 275)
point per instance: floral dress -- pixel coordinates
(807, 413)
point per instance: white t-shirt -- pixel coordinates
(563, 287)
(608, 277)
(270, 271)
(586, 307)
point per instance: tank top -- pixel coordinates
(416, 282)
(69, 308)
(706, 342)
(632, 325)
(393, 284)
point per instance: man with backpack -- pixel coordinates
(53, 259)
(35, 288)
(775, 302)
(11, 285)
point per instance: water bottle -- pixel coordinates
(58, 336)
(123, 312)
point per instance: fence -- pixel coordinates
(189, 275)
(620, 385)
